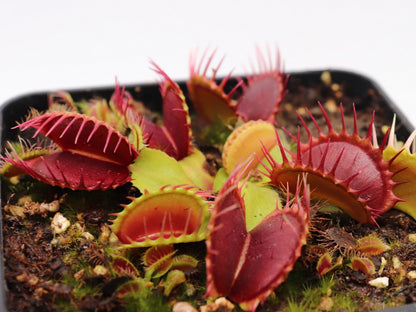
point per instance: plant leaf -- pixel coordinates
(371, 245)
(155, 169)
(403, 163)
(363, 264)
(84, 135)
(275, 243)
(168, 216)
(193, 166)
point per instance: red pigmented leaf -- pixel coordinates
(324, 264)
(25, 151)
(236, 259)
(155, 254)
(175, 136)
(124, 267)
(158, 259)
(364, 265)
(74, 171)
(342, 168)
(94, 156)
(266, 88)
(157, 138)
(84, 135)
(176, 116)
(122, 100)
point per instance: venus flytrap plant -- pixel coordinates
(100, 153)
(158, 260)
(402, 160)
(118, 112)
(248, 140)
(155, 169)
(171, 215)
(175, 135)
(246, 144)
(347, 249)
(161, 262)
(253, 249)
(363, 264)
(26, 151)
(212, 103)
(123, 266)
(91, 155)
(174, 138)
(253, 237)
(163, 269)
(266, 87)
(219, 110)
(61, 100)
(326, 263)
(344, 169)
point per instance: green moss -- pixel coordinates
(347, 302)
(68, 279)
(145, 302)
(212, 135)
(81, 289)
(314, 292)
(393, 243)
(38, 191)
(305, 302)
(86, 290)
(64, 305)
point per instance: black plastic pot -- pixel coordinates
(16, 109)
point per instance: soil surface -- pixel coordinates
(72, 271)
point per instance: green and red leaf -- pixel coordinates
(363, 264)
(168, 216)
(371, 245)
